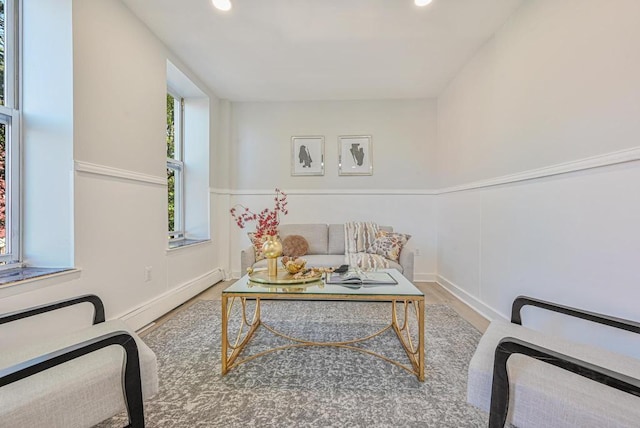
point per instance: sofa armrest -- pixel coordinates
(406, 261)
(610, 321)
(131, 379)
(98, 309)
(510, 345)
(247, 259)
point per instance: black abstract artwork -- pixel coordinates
(305, 157)
(358, 153)
(355, 155)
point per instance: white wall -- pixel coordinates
(403, 134)
(556, 85)
(119, 205)
(559, 82)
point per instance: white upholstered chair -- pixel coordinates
(77, 379)
(531, 379)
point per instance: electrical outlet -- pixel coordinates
(147, 273)
(417, 252)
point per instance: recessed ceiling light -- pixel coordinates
(223, 4)
(422, 2)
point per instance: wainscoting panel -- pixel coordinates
(571, 238)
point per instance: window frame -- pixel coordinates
(10, 116)
(176, 164)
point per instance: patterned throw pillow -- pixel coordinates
(257, 245)
(388, 244)
(294, 246)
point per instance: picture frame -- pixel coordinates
(355, 155)
(307, 155)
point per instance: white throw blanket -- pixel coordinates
(358, 237)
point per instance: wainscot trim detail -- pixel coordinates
(371, 192)
(92, 168)
(475, 304)
(162, 304)
(600, 161)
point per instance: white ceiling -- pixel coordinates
(324, 49)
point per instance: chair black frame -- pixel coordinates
(510, 345)
(132, 384)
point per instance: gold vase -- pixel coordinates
(272, 248)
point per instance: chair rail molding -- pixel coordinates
(372, 192)
(92, 168)
(598, 161)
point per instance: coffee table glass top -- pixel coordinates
(402, 288)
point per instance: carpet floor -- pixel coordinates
(310, 386)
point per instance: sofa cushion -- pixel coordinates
(336, 239)
(395, 265)
(316, 235)
(542, 395)
(82, 392)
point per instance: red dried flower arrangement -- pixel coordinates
(267, 220)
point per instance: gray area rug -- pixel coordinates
(310, 386)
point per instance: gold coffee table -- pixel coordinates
(403, 294)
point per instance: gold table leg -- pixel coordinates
(420, 340)
(224, 335)
(415, 353)
(241, 341)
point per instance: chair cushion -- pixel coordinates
(78, 393)
(542, 395)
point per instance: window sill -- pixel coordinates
(175, 245)
(21, 275)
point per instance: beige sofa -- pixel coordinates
(326, 248)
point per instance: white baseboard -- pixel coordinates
(154, 309)
(424, 277)
(484, 310)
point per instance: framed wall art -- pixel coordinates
(307, 155)
(355, 155)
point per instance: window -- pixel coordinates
(188, 126)
(9, 138)
(175, 166)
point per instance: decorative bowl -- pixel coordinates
(293, 265)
